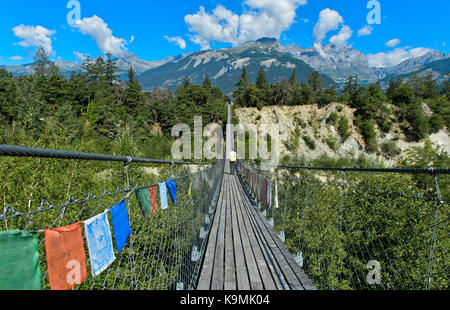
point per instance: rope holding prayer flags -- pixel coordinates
(99, 240)
(121, 224)
(163, 195)
(19, 261)
(66, 259)
(172, 188)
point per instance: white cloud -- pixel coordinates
(393, 43)
(35, 37)
(177, 40)
(80, 56)
(365, 31)
(18, 58)
(342, 37)
(396, 56)
(330, 20)
(99, 31)
(263, 18)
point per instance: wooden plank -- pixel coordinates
(298, 271)
(267, 247)
(242, 273)
(265, 274)
(230, 270)
(284, 271)
(218, 269)
(204, 282)
(286, 257)
(252, 268)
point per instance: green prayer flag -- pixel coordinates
(143, 198)
(19, 261)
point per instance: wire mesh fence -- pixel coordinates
(359, 230)
(163, 252)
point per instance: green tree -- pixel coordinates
(132, 96)
(316, 83)
(111, 69)
(242, 85)
(293, 79)
(207, 82)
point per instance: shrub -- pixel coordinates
(367, 130)
(437, 123)
(332, 142)
(344, 128)
(333, 119)
(390, 149)
(309, 142)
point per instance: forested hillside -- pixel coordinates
(89, 110)
(415, 108)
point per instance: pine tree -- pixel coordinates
(261, 81)
(132, 96)
(316, 83)
(207, 82)
(41, 63)
(243, 79)
(293, 79)
(111, 69)
(240, 93)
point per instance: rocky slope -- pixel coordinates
(336, 62)
(298, 122)
(408, 65)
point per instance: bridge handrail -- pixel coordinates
(431, 171)
(20, 151)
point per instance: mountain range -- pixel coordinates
(335, 63)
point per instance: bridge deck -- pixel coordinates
(243, 252)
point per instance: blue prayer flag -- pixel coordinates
(121, 224)
(172, 187)
(99, 240)
(163, 195)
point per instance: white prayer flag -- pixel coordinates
(99, 240)
(276, 194)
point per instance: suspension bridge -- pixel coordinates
(292, 228)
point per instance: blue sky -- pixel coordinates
(154, 30)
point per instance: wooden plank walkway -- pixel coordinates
(243, 251)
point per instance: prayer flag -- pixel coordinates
(172, 188)
(121, 224)
(190, 188)
(19, 261)
(163, 195)
(152, 192)
(276, 194)
(143, 198)
(99, 240)
(66, 259)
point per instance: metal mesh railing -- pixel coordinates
(164, 251)
(359, 229)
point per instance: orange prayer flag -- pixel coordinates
(152, 191)
(66, 258)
